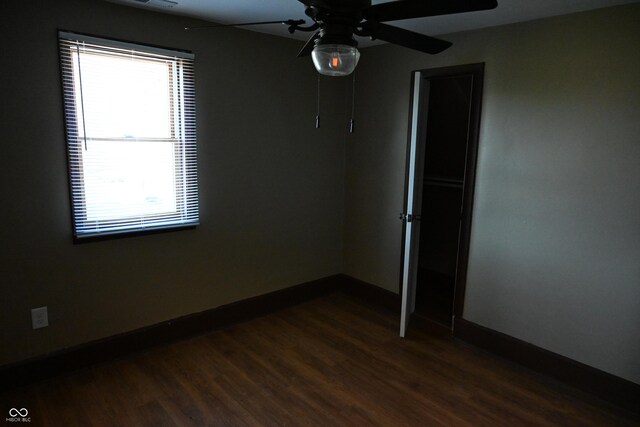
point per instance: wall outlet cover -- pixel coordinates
(39, 317)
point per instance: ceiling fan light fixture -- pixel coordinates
(335, 59)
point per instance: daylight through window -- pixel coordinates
(130, 119)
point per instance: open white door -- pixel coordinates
(412, 211)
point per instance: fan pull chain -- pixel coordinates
(318, 107)
(352, 122)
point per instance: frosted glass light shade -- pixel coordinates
(335, 59)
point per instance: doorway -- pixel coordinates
(441, 162)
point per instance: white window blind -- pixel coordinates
(131, 139)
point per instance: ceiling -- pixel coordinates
(238, 11)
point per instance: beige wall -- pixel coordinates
(555, 244)
(271, 185)
(556, 236)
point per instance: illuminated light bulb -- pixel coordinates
(334, 62)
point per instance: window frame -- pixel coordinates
(182, 137)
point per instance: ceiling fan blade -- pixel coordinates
(325, 4)
(308, 47)
(408, 9)
(406, 38)
(245, 24)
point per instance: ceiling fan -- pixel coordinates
(333, 47)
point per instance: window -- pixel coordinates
(131, 140)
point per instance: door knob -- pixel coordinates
(410, 217)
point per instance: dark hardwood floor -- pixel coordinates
(334, 361)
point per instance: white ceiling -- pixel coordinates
(238, 11)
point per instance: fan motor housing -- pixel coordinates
(332, 33)
(345, 12)
(337, 20)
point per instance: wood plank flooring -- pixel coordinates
(333, 361)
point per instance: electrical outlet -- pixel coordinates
(39, 317)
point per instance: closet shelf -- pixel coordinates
(443, 182)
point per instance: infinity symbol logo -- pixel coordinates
(13, 412)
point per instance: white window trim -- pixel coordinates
(182, 137)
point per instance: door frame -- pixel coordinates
(477, 71)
